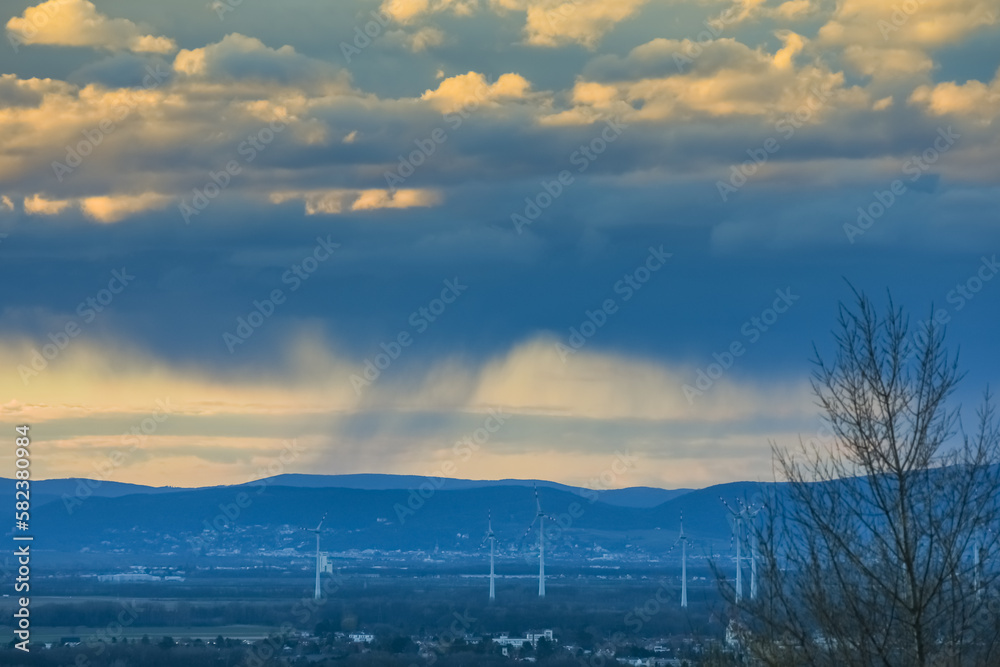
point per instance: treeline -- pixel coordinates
(582, 615)
(208, 655)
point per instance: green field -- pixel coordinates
(40, 635)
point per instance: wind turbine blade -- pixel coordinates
(528, 531)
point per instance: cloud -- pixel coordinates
(335, 201)
(238, 57)
(15, 92)
(407, 11)
(418, 41)
(405, 422)
(118, 207)
(743, 10)
(973, 99)
(887, 39)
(472, 88)
(720, 78)
(78, 23)
(582, 22)
(548, 23)
(106, 208)
(39, 205)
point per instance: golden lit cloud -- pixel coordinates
(118, 207)
(722, 78)
(407, 11)
(554, 23)
(885, 38)
(973, 99)
(38, 205)
(78, 23)
(108, 208)
(457, 92)
(228, 421)
(334, 201)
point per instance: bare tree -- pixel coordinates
(880, 548)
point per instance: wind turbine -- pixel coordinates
(318, 556)
(744, 513)
(493, 540)
(540, 517)
(978, 551)
(683, 541)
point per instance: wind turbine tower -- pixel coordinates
(977, 564)
(683, 541)
(319, 557)
(540, 517)
(493, 540)
(740, 517)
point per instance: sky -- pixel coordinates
(587, 241)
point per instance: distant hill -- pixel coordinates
(401, 513)
(47, 490)
(636, 496)
(52, 489)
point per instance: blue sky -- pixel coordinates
(289, 193)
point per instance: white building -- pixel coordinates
(361, 637)
(128, 577)
(529, 638)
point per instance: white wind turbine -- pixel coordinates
(319, 564)
(740, 517)
(491, 536)
(540, 517)
(683, 541)
(978, 551)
